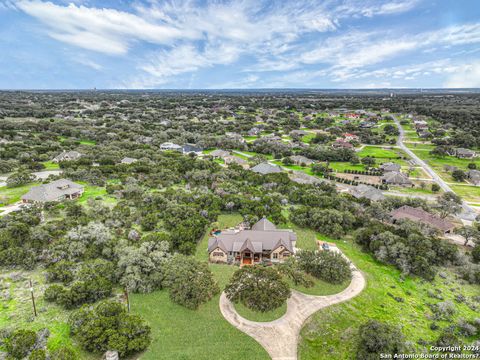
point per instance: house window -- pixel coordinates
(217, 253)
(286, 254)
(275, 255)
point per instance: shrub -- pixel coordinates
(108, 326)
(443, 310)
(377, 338)
(190, 282)
(63, 353)
(476, 254)
(37, 354)
(329, 266)
(19, 344)
(291, 269)
(258, 288)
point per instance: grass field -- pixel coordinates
(331, 332)
(18, 312)
(179, 333)
(468, 193)
(50, 165)
(248, 314)
(12, 195)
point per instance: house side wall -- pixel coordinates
(281, 254)
(218, 255)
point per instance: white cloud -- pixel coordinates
(466, 76)
(87, 62)
(104, 30)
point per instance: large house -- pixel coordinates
(67, 156)
(301, 160)
(422, 216)
(266, 168)
(465, 153)
(390, 166)
(367, 191)
(169, 146)
(263, 242)
(396, 178)
(57, 190)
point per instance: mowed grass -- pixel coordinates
(50, 165)
(18, 312)
(180, 333)
(468, 193)
(12, 195)
(252, 315)
(332, 332)
(380, 152)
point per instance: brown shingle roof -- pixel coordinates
(420, 215)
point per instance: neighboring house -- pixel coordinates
(55, 191)
(368, 192)
(301, 160)
(367, 124)
(420, 215)
(263, 242)
(396, 178)
(390, 166)
(352, 116)
(254, 131)
(301, 178)
(474, 177)
(340, 143)
(298, 133)
(236, 160)
(67, 156)
(191, 149)
(350, 137)
(235, 136)
(168, 146)
(465, 153)
(219, 154)
(266, 168)
(128, 160)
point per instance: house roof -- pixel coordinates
(462, 151)
(266, 168)
(52, 191)
(189, 148)
(72, 154)
(390, 166)
(396, 177)
(263, 236)
(418, 214)
(219, 153)
(301, 178)
(301, 159)
(128, 160)
(263, 225)
(366, 191)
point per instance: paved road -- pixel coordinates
(468, 213)
(280, 337)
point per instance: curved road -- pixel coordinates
(468, 213)
(280, 337)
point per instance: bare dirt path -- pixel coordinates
(280, 337)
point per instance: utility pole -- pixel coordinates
(33, 299)
(128, 300)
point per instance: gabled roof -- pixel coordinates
(219, 153)
(266, 168)
(418, 214)
(263, 225)
(52, 191)
(390, 166)
(368, 192)
(395, 177)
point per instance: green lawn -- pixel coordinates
(50, 165)
(12, 195)
(468, 193)
(92, 191)
(252, 315)
(179, 333)
(378, 152)
(18, 312)
(331, 332)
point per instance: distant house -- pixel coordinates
(168, 146)
(248, 247)
(298, 133)
(352, 116)
(55, 191)
(301, 160)
(474, 177)
(192, 149)
(254, 131)
(128, 160)
(465, 153)
(266, 168)
(301, 178)
(231, 159)
(67, 156)
(340, 143)
(420, 215)
(366, 191)
(396, 178)
(350, 137)
(219, 154)
(367, 124)
(235, 136)
(390, 166)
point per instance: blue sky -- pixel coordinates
(239, 44)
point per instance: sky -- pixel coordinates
(182, 44)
